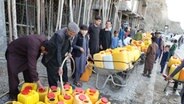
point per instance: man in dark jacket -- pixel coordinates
(106, 36)
(94, 31)
(58, 46)
(21, 56)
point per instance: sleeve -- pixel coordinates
(74, 43)
(177, 69)
(148, 51)
(119, 35)
(110, 39)
(59, 41)
(32, 54)
(100, 37)
(112, 45)
(51, 47)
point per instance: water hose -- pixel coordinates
(61, 78)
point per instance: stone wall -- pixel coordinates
(3, 38)
(157, 17)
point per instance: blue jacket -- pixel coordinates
(115, 42)
(164, 58)
(121, 34)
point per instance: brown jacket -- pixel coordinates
(26, 51)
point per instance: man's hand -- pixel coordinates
(60, 71)
(101, 47)
(82, 50)
(40, 85)
(167, 77)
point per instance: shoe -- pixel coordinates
(143, 74)
(148, 76)
(176, 93)
(78, 84)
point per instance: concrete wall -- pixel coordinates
(3, 39)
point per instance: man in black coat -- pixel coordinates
(106, 36)
(58, 46)
(94, 30)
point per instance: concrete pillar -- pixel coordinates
(3, 38)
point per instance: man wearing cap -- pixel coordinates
(58, 46)
(94, 31)
(21, 56)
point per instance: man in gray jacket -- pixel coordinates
(173, 74)
(58, 46)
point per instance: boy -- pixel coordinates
(164, 58)
(80, 53)
(115, 40)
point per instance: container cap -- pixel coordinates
(104, 100)
(28, 88)
(67, 97)
(82, 97)
(53, 88)
(92, 90)
(25, 92)
(41, 89)
(60, 102)
(51, 95)
(67, 86)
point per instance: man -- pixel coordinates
(94, 31)
(21, 56)
(121, 34)
(160, 44)
(106, 36)
(150, 58)
(138, 35)
(133, 31)
(173, 74)
(127, 40)
(58, 46)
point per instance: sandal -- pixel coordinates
(78, 84)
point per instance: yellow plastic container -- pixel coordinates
(173, 67)
(93, 94)
(108, 57)
(82, 99)
(181, 76)
(28, 96)
(87, 72)
(78, 91)
(40, 102)
(55, 89)
(42, 93)
(51, 98)
(174, 60)
(68, 99)
(13, 102)
(99, 59)
(103, 101)
(137, 54)
(31, 86)
(121, 60)
(68, 89)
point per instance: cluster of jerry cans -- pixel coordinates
(29, 94)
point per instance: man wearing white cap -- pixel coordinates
(58, 46)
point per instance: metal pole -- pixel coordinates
(27, 21)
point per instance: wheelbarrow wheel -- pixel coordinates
(117, 80)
